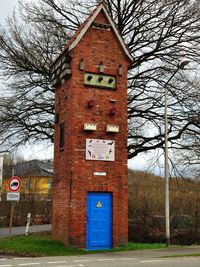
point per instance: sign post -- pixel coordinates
(11, 217)
(14, 185)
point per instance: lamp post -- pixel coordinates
(166, 164)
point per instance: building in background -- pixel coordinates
(36, 178)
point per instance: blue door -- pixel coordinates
(99, 221)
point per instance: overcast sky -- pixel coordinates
(6, 8)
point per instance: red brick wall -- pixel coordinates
(73, 174)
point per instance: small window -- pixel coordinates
(62, 135)
(56, 118)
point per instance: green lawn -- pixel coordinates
(42, 245)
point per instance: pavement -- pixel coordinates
(20, 230)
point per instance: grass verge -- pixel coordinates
(41, 245)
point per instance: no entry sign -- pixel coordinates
(14, 184)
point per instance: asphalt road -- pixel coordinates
(144, 258)
(20, 230)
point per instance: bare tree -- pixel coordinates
(9, 161)
(158, 33)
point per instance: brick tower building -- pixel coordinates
(90, 206)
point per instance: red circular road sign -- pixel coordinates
(14, 184)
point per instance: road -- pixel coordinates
(20, 230)
(145, 258)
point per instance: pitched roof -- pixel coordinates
(75, 39)
(33, 168)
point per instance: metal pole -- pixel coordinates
(12, 209)
(11, 217)
(167, 215)
(167, 208)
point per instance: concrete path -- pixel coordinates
(20, 230)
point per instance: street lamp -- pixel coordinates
(167, 217)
